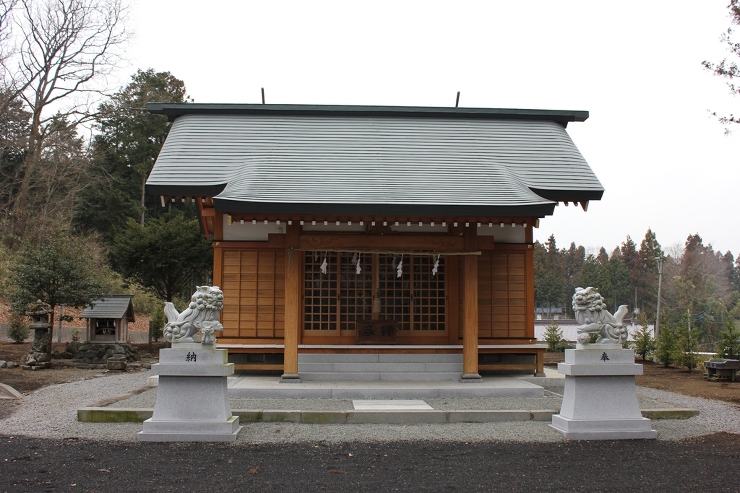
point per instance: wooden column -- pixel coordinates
(470, 308)
(529, 283)
(292, 304)
(218, 264)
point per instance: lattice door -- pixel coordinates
(417, 298)
(333, 301)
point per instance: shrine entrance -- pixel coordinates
(342, 289)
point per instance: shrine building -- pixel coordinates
(366, 230)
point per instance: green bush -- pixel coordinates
(666, 344)
(158, 324)
(645, 344)
(729, 341)
(687, 347)
(18, 330)
(562, 346)
(553, 336)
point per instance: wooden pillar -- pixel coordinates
(218, 226)
(470, 308)
(218, 264)
(529, 283)
(292, 304)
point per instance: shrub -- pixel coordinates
(729, 341)
(157, 324)
(687, 345)
(666, 345)
(645, 343)
(18, 330)
(553, 336)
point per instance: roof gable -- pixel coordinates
(112, 306)
(514, 162)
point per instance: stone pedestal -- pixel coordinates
(600, 398)
(192, 397)
(39, 358)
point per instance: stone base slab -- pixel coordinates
(200, 427)
(194, 431)
(604, 429)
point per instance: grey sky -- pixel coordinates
(635, 65)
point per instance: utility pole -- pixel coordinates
(660, 281)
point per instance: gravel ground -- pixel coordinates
(50, 412)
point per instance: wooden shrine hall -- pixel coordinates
(365, 230)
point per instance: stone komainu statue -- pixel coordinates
(591, 313)
(201, 315)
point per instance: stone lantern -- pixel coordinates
(40, 355)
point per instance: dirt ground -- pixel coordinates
(677, 380)
(654, 375)
(25, 381)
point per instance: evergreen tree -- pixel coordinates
(602, 257)
(699, 281)
(645, 344)
(591, 273)
(125, 150)
(631, 259)
(549, 275)
(573, 261)
(167, 255)
(728, 346)
(553, 336)
(647, 280)
(666, 344)
(60, 269)
(616, 282)
(687, 346)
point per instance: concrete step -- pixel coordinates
(378, 358)
(264, 386)
(375, 376)
(380, 367)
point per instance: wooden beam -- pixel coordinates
(470, 308)
(203, 215)
(395, 242)
(293, 304)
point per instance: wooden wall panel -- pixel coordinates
(254, 293)
(503, 290)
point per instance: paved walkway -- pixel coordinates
(489, 386)
(266, 399)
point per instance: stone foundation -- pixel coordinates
(99, 353)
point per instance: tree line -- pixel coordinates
(699, 287)
(74, 158)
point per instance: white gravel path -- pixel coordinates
(51, 412)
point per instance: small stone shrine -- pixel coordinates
(600, 397)
(40, 355)
(192, 395)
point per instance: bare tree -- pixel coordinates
(6, 9)
(65, 48)
(729, 69)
